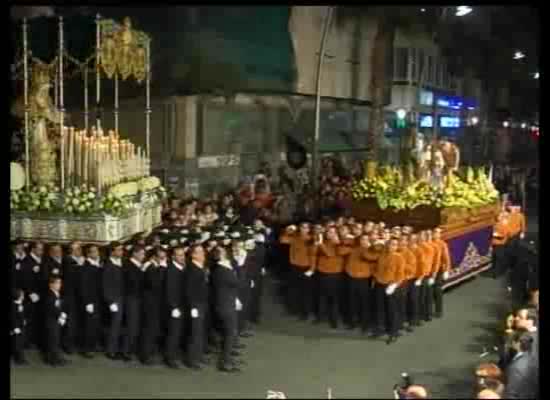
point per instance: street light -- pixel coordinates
(474, 121)
(518, 55)
(401, 113)
(536, 75)
(523, 125)
(506, 124)
(463, 10)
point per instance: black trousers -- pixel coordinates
(412, 303)
(53, 341)
(18, 345)
(196, 347)
(499, 260)
(150, 329)
(428, 300)
(70, 332)
(330, 288)
(91, 324)
(256, 300)
(359, 302)
(174, 335)
(401, 306)
(228, 319)
(243, 315)
(114, 329)
(34, 324)
(438, 295)
(386, 310)
(132, 317)
(302, 290)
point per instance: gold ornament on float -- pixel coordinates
(123, 50)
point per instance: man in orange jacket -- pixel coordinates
(442, 273)
(499, 243)
(301, 285)
(416, 291)
(389, 274)
(427, 262)
(358, 271)
(329, 266)
(408, 289)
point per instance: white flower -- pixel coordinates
(43, 189)
(91, 195)
(75, 202)
(70, 209)
(51, 196)
(77, 192)
(81, 208)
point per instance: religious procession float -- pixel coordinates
(431, 191)
(83, 183)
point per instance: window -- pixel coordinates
(413, 65)
(426, 97)
(401, 64)
(421, 57)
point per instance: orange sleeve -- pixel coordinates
(286, 238)
(344, 250)
(445, 257)
(328, 251)
(523, 223)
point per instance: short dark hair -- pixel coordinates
(35, 244)
(524, 339)
(136, 249)
(53, 279)
(114, 245)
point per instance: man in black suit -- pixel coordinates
(17, 256)
(226, 302)
(256, 275)
(55, 319)
(17, 329)
(134, 274)
(174, 306)
(153, 292)
(520, 374)
(113, 295)
(242, 262)
(53, 263)
(89, 300)
(196, 290)
(31, 278)
(71, 289)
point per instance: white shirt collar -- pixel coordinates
(37, 259)
(19, 256)
(57, 259)
(136, 263)
(162, 264)
(178, 266)
(225, 264)
(95, 263)
(116, 261)
(79, 260)
(56, 293)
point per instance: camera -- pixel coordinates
(400, 389)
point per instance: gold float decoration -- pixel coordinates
(123, 50)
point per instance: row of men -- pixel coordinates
(392, 276)
(178, 299)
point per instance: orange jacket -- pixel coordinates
(426, 258)
(501, 233)
(437, 257)
(517, 223)
(356, 265)
(328, 259)
(418, 254)
(300, 250)
(391, 269)
(372, 255)
(410, 263)
(445, 256)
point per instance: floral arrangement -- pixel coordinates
(39, 198)
(80, 200)
(124, 189)
(114, 205)
(148, 184)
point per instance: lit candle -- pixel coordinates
(71, 155)
(85, 150)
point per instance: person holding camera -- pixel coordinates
(520, 377)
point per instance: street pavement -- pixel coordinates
(301, 360)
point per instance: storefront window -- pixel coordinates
(401, 64)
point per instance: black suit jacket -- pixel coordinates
(196, 286)
(112, 283)
(521, 378)
(90, 278)
(226, 288)
(174, 287)
(32, 276)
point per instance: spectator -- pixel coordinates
(520, 376)
(416, 392)
(488, 394)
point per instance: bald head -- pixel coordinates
(488, 394)
(417, 392)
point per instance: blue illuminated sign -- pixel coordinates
(455, 102)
